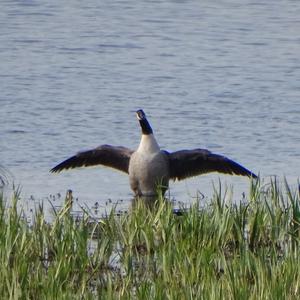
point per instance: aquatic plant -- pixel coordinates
(245, 250)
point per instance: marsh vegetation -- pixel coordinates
(221, 250)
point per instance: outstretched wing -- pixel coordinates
(116, 157)
(188, 163)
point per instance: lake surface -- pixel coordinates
(221, 75)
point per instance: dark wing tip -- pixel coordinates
(56, 169)
(252, 175)
(78, 160)
(237, 169)
(67, 164)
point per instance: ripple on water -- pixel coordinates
(72, 75)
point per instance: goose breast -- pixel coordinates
(147, 171)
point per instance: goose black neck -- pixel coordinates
(146, 128)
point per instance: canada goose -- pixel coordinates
(149, 166)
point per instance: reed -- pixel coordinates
(221, 250)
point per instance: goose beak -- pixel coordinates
(140, 115)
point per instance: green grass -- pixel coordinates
(220, 251)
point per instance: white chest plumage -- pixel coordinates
(148, 166)
(148, 145)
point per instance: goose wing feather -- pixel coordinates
(188, 163)
(116, 157)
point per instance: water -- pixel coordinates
(222, 75)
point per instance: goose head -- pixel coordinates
(146, 128)
(148, 143)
